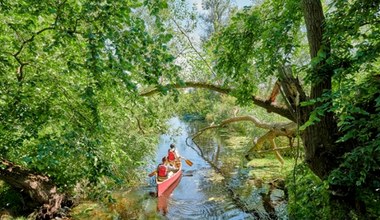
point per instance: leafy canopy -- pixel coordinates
(70, 71)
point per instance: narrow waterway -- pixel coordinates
(200, 194)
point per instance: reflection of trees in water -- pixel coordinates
(195, 126)
(213, 148)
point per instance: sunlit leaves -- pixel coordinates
(257, 42)
(354, 39)
(69, 105)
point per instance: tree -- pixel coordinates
(69, 106)
(216, 16)
(271, 34)
(331, 92)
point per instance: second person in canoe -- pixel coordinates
(173, 156)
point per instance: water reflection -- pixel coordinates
(201, 195)
(163, 200)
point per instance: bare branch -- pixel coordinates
(274, 130)
(20, 73)
(192, 46)
(285, 129)
(270, 107)
(184, 85)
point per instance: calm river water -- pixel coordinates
(200, 194)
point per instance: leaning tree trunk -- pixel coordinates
(40, 188)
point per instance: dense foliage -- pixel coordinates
(256, 42)
(70, 73)
(272, 34)
(308, 195)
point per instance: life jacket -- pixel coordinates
(162, 170)
(171, 155)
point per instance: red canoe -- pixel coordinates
(162, 186)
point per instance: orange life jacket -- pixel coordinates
(171, 155)
(162, 170)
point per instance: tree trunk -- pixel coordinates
(39, 187)
(321, 150)
(319, 138)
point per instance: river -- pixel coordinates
(200, 194)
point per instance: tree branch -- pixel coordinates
(202, 85)
(270, 107)
(275, 129)
(31, 39)
(40, 188)
(192, 46)
(285, 129)
(20, 74)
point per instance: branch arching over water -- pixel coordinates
(275, 129)
(280, 110)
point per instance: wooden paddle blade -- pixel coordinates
(189, 162)
(152, 173)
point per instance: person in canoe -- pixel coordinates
(165, 170)
(173, 156)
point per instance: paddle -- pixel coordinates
(152, 173)
(188, 162)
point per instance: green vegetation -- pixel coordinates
(125, 205)
(69, 103)
(308, 195)
(74, 76)
(268, 168)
